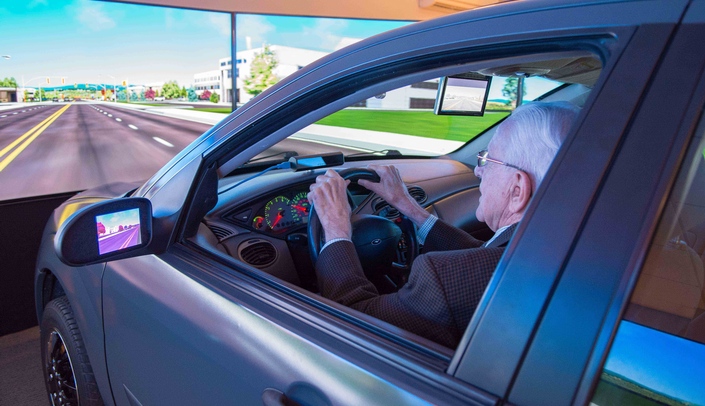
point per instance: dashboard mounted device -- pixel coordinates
(462, 95)
(306, 162)
(105, 231)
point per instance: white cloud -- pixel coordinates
(92, 16)
(255, 27)
(220, 22)
(324, 34)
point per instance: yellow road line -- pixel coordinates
(28, 138)
(27, 134)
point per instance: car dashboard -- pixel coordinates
(263, 221)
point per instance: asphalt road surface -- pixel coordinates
(55, 148)
(120, 240)
(67, 147)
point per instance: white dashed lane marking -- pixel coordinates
(132, 126)
(110, 115)
(117, 119)
(161, 141)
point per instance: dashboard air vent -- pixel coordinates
(256, 252)
(383, 208)
(220, 232)
(418, 194)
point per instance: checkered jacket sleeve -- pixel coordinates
(445, 237)
(437, 302)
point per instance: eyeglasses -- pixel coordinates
(482, 160)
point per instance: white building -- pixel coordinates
(220, 81)
(211, 80)
(420, 95)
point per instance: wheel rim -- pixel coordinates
(61, 380)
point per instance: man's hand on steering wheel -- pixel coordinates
(392, 189)
(379, 242)
(329, 195)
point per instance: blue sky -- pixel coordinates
(664, 363)
(124, 218)
(103, 42)
(90, 41)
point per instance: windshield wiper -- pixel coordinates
(385, 152)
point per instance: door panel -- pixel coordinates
(174, 340)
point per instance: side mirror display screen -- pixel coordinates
(463, 95)
(117, 231)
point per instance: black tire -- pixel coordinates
(68, 375)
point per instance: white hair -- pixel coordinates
(532, 134)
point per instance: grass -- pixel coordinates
(224, 110)
(419, 123)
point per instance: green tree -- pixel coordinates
(262, 72)
(511, 84)
(134, 96)
(215, 98)
(8, 82)
(192, 95)
(184, 92)
(171, 90)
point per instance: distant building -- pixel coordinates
(220, 81)
(212, 81)
(420, 95)
(8, 94)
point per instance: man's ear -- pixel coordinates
(520, 192)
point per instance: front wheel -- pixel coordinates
(68, 374)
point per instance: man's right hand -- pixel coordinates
(392, 189)
(329, 196)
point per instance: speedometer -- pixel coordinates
(277, 213)
(300, 207)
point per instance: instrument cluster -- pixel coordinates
(276, 215)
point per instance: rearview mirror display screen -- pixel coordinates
(117, 231)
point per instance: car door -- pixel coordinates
(186, 327)
(569, 343)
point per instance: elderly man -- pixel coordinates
(447, 281)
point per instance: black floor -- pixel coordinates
(21, 382)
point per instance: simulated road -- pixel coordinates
(67, 147)
(120, 240)
(53, 148)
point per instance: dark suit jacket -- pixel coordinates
(445, 284)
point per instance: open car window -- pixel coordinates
(261, 219)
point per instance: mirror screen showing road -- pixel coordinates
(98, 92)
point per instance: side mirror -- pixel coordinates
(106, 231)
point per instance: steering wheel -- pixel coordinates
(386, 248)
